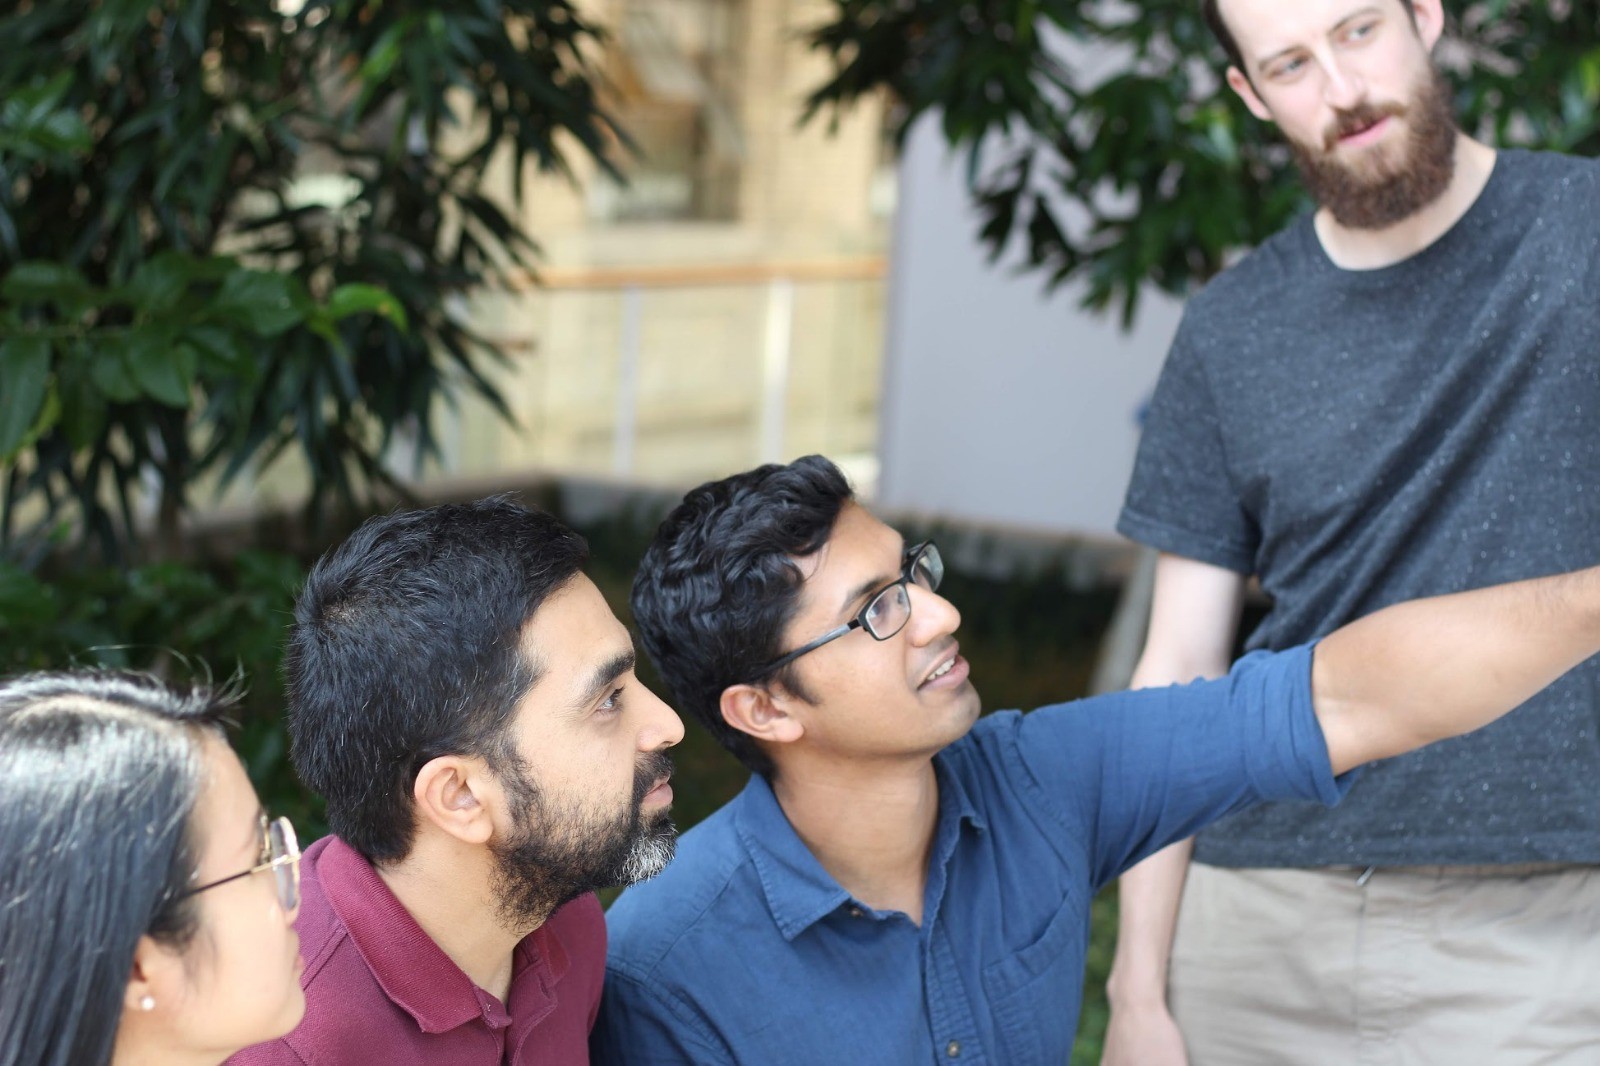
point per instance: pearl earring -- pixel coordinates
(147, 1003)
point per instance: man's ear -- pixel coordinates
(755, 710)
(1428, 17)
(452, 791)
(1247, 92)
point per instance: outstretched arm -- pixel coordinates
(1422, 671)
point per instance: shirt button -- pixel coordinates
(856, 912)
(953, 1049)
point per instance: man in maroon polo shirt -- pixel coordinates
(464, 700)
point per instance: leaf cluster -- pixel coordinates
(1102, 144)
(217, 623)
(228, 233)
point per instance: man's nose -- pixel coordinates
(1343, 88)
(932, 616)
(664, 728)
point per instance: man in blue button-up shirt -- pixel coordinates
(901, 882)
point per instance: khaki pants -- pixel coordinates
(1413, 965)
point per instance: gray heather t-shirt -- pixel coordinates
(1359, 438)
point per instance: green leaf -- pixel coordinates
(221, 350)
(160, 282)
(349, 300)
(385, 53)
(23, 596)
(83, 407)
(25, 369)
(261, 301)
(164, 371)
(37, 123)
(43, 281)
(108, 369)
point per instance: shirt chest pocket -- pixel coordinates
(1034, 993)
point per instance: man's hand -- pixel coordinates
(1143, 1035)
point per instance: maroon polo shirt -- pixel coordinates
(379, 990)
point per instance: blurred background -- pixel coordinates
(269, 267)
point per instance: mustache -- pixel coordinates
(651, 769)
(1356, 119)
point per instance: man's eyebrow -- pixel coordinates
(1263, 64)
(1267, 61)
(873, 584)
(604, 677)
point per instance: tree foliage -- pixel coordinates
(229, 232)
(1100, 138)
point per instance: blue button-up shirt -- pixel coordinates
(746, 951)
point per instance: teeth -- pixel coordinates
(943, 669)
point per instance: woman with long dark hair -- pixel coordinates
(145, 898)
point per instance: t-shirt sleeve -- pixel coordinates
(641, 1024)
(1180, 498)
(1135, 771)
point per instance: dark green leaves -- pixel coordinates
(49, 283)
(36, 122)
(25, 374)
(234, 234)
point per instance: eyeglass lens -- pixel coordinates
(889, 611)
(281, 844)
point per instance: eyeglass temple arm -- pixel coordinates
(833, 634)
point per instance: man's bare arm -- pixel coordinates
(1422, 671)
(1193, 619)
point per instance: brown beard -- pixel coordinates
(1380, 195)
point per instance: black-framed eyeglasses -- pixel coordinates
(281, 852)
(887, 611)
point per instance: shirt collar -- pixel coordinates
(798, 890)
(955, 802)
(412, 970)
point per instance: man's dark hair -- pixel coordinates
(718, 585)
(407, 645)
(100, 774)
(1224, 36)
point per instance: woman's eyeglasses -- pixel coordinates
(281, 855)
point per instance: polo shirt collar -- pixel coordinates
(799, 892)
(412, 970)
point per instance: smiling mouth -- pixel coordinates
(945, 665)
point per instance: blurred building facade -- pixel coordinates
(722, 307)
(1003, 403)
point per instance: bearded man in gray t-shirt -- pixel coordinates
(1397, 396)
